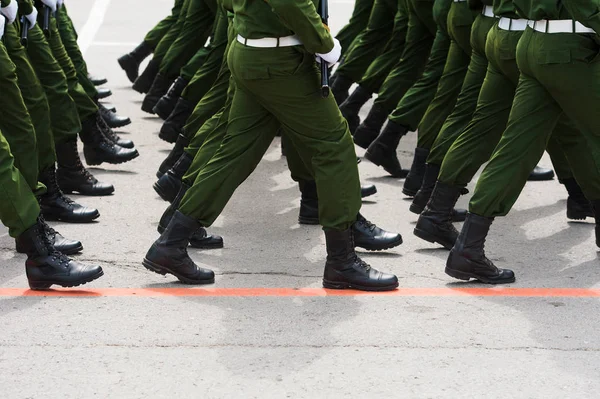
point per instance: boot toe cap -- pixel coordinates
(125, 143)
(367, 190)
(207, 242)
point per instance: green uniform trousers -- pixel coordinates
(189, 70)
(28, 130)
(460, 20)
(419, 41)
(195, 25)
(385, 62)
(19, 208)
(205, 76)
(373, 40)
(477, 142)
(283, 93)
(469, 93)
(68, 36)
(64, 115)
(411, 107)
(558, 78)
(358, 22)
(154, 36)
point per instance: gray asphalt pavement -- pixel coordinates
(161, 343)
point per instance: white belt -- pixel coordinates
(559, 26)
(488, 11)
(270, 42)
(516, 25)
(460, 1)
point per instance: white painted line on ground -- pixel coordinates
(93, 24)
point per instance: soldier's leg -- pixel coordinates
(387, 25)
(358, 22)
(41, 141)
(14, 117)
(130, 62)
(419, 41)
(68, 36)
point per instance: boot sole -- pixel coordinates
(156, 268)
(207, 246)
(380, 248)
(409, 193)
(308, 221)
(346, 286)
(467, 276)
(72, 251)
(424, 235)
(95, 162)
(86, 193)
(45, 285)
(578, 215)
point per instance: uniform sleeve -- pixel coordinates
(585, 11)
(302, 18)
(25, 7)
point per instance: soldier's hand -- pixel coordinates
(2, 23)
(10, 12)
(51, 4)
(333, 56)
(32, 18)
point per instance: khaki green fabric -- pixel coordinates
(358, 22)
(467, 99)
(154, 36)
(280, 87)
(460, 20)
(373, 40)
(19, 208)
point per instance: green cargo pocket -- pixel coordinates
(554, 57)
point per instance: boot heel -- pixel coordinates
(152, 267)
(414, 208)
(422, 234)
(335, 286)
(458, 275)
(39, 286)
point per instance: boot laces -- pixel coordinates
(364, 265)
(108, 132)
(369, 225)
(46, 234)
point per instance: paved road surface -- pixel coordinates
(145, 341)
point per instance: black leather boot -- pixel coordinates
(366, 190)
(174, 124)
(56, 206)
(596, 208)
(169, 184)
(578, 206)
(541, 174)
(111, 118)
(372, 238)
(112, 136)
(344, 269)
(382, 151)
(131, 62)
(97, 80)
(351, 107)
(435, 222)
(60, 243)
(174, 155)
(73, 177)
(103, 93)
(159, 88)
(169, 254)
(422, 197)
(45, 266)
(467, 258)
(200, 238)
(97, 148)
(340, 87)
(368, 131)
(166, 104)
(143, 82)
(309, 203)
(414, 179)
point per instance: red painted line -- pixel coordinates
(302, 292)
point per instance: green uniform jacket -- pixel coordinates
(505, 8)
(585, 11)
(257, 19)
